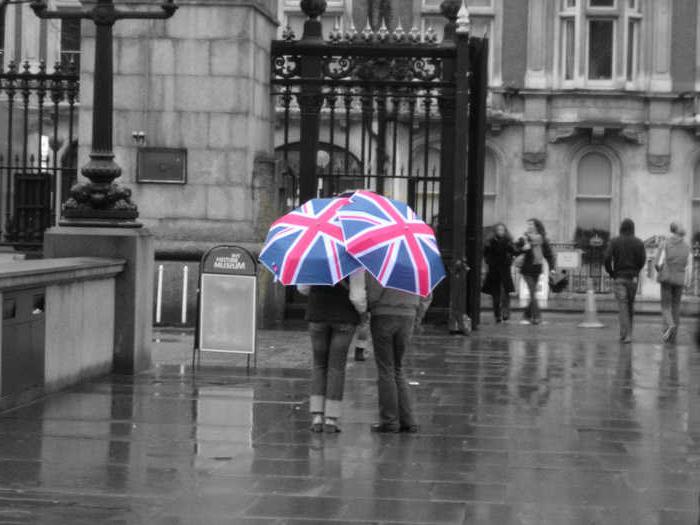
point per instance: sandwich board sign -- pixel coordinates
(227, 303)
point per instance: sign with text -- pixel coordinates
(569, 259)
(228, 292)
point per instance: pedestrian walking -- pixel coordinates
(674, 266)
(498, 283)
(333, 313)
(393, 315)
(533, 250)
(625, 257)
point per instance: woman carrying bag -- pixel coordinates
(534, 250)
(674, 265)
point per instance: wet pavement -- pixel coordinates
(520, 425)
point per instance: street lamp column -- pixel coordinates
(101, 202)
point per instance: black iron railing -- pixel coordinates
(38, 148)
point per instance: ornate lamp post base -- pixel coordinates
(102, 202)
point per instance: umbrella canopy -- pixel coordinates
(306, 245)
(392, 243)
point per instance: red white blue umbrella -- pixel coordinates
(392, 243)
(306, 245)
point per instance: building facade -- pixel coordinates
(592, 112)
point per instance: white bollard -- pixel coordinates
(159, 295)
(183, 308)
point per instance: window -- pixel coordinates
(594, 184)
(490, 189)
(70, 44)
(599, 42)
(602, 3)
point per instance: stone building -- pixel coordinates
(592, 110)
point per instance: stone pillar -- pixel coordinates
(267, 187)
(659, 147)
(133, 304)
(661, 27)
(537, 45)
(198, 81)
(535, 133)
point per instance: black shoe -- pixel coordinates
(383, 428)
(360, 354)
(499, 320)
(409, 429)
(506, 317)
(317, 428)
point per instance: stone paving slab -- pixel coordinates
(519, 425)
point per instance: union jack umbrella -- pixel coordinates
(306, 245)
(392, 243)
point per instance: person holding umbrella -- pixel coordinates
(403, 263)
(394, 314)
(306, 248)
(333, 313)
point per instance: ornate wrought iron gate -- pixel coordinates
(38, 149)
(396, 112)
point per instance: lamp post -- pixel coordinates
(101, 202)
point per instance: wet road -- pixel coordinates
(520, 425)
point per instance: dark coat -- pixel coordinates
(530, 267)
(331, 304)
(626, 255)
(498, 254)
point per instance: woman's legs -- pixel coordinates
(505, 303)
(497, 312)
(341, 337)
(320, 346)
(533, 309)
(676, 296)
(666, 306)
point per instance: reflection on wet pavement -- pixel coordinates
(517, 428)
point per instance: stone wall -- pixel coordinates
(198, 81)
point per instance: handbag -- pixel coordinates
(558, 281)
(519, 261)
(661, 267)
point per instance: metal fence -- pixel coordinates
(38, 148)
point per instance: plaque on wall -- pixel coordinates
(161, 166)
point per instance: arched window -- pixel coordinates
(594, 192)
(696, 202)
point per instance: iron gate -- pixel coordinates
(38, 149)
(395, 112)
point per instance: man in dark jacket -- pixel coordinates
(624, 259)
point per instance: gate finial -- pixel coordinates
(351, 33)
(383, 32)
(313, 8)
(367, 33)
(399, 33)
(414, 35)
(463, 21)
